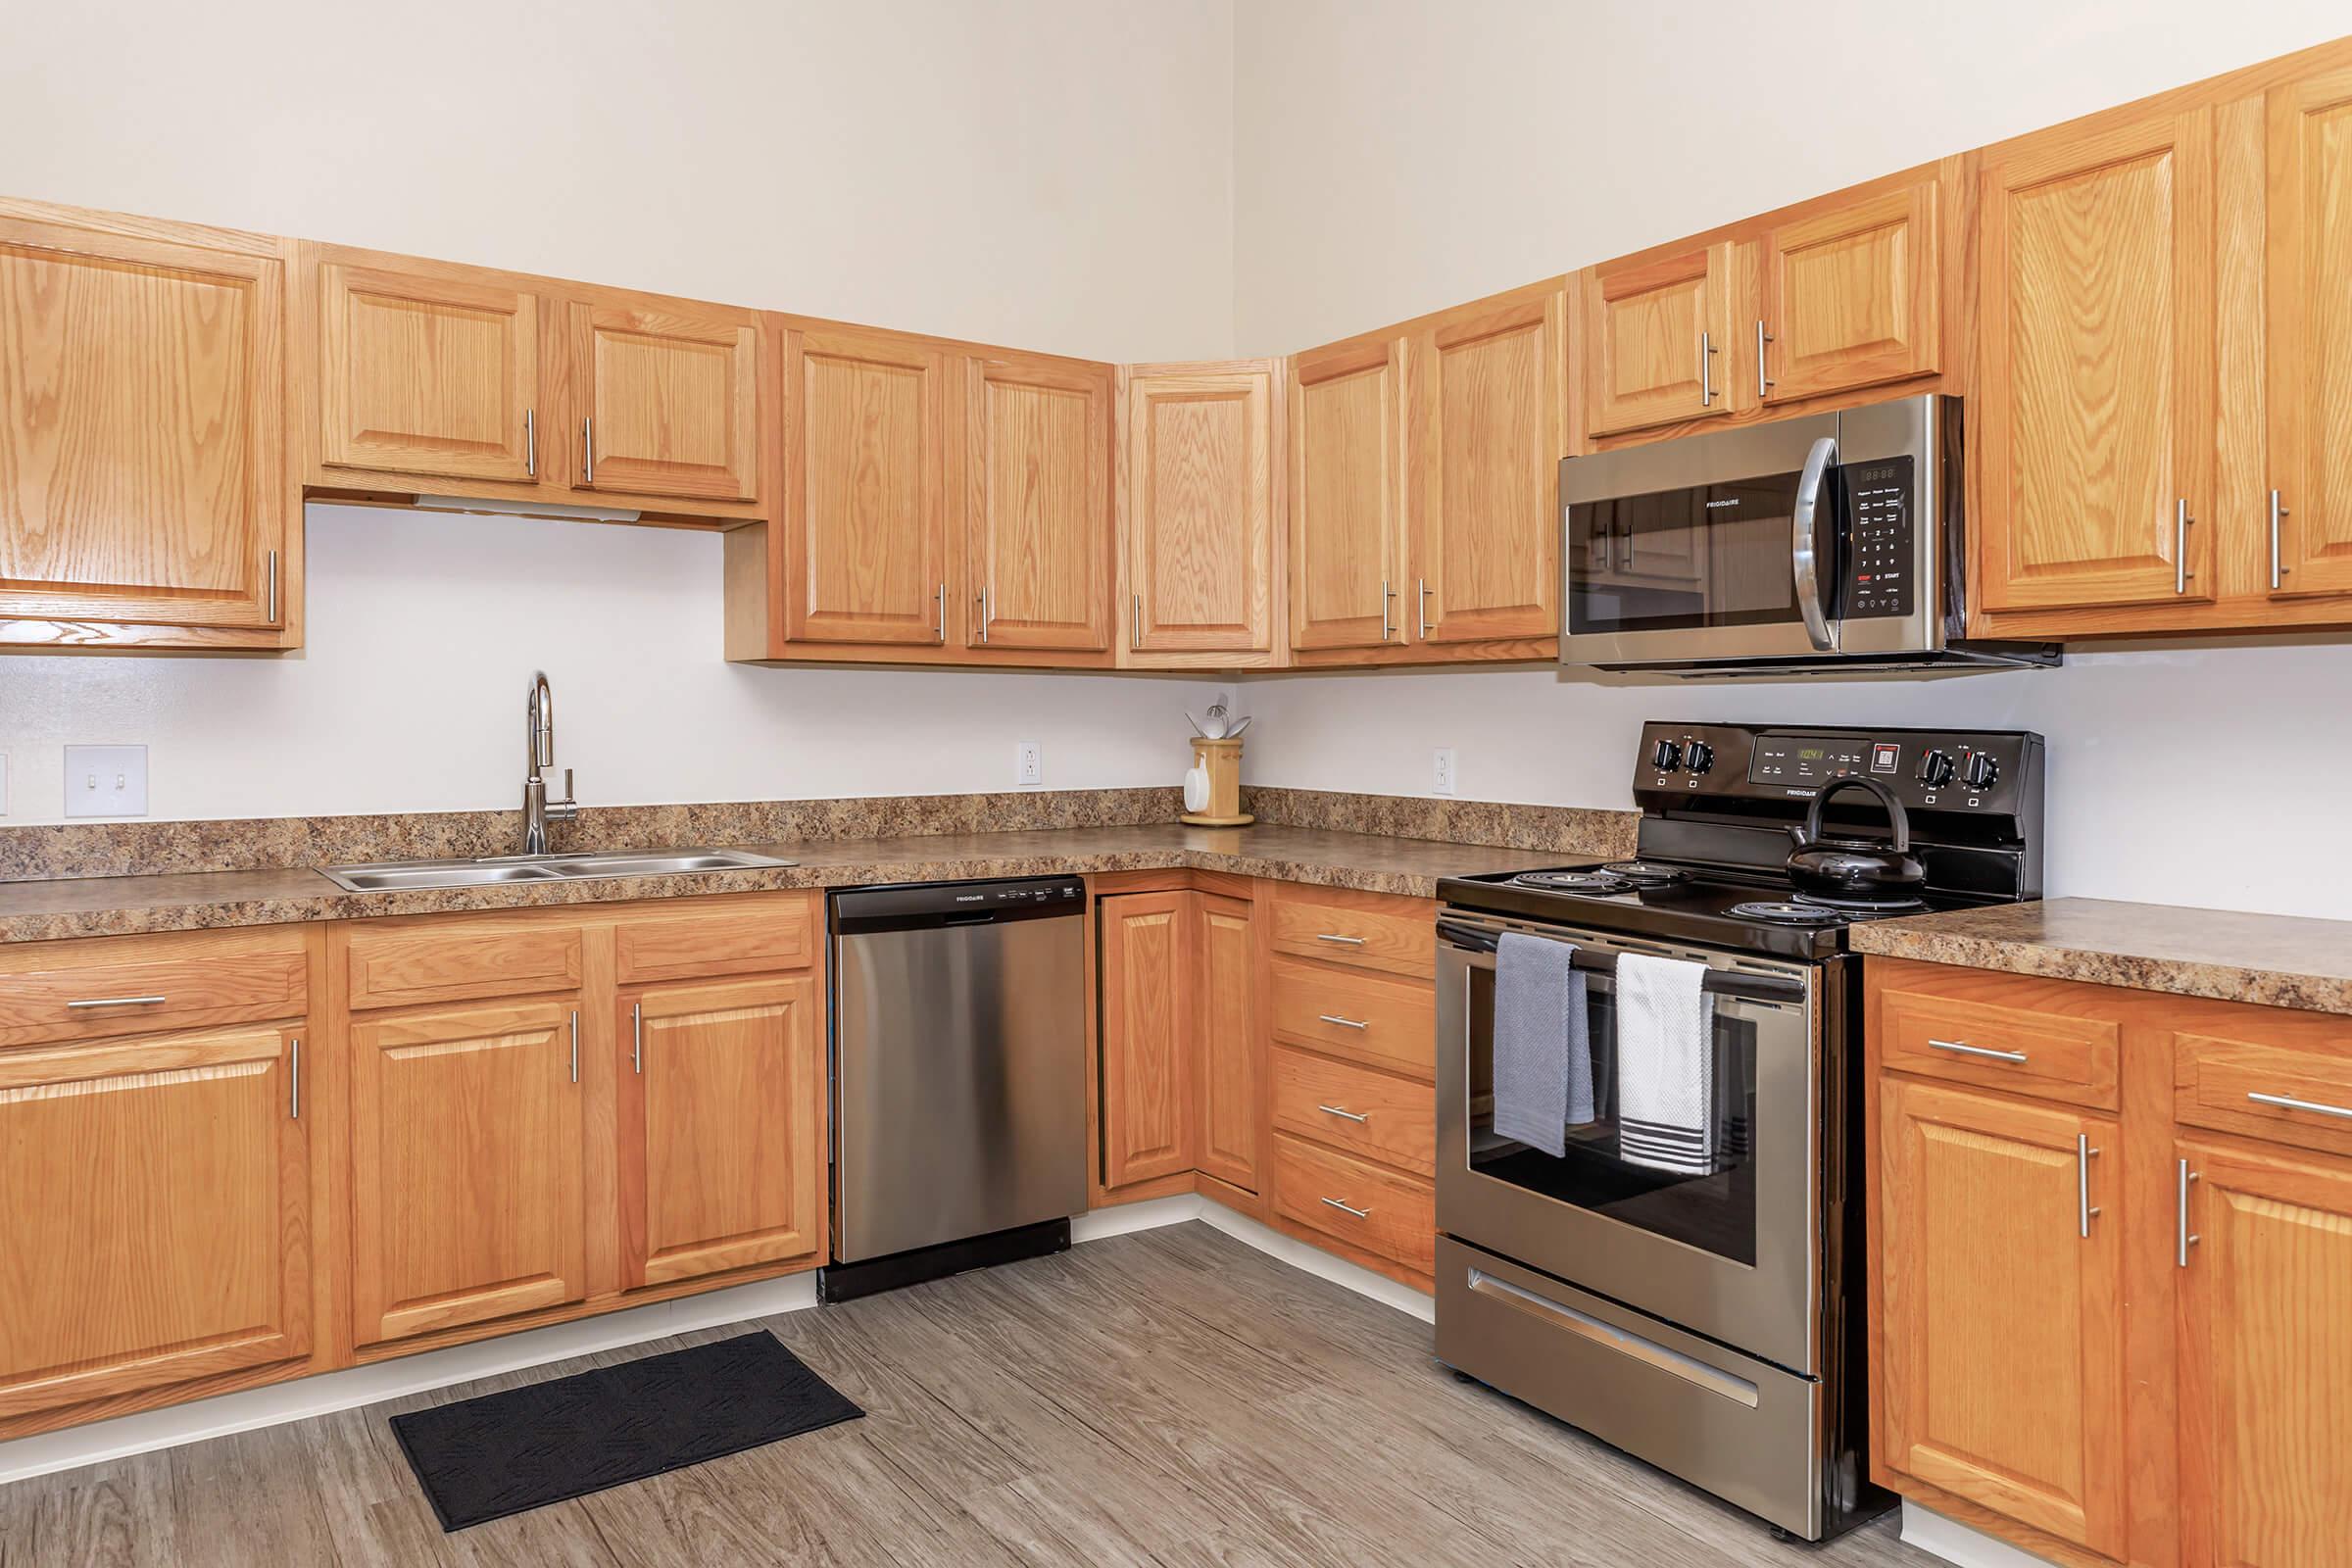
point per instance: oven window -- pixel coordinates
(1715, 1211)
(1706, 556)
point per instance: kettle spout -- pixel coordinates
(1796, 836)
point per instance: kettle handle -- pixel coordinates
(1896, 817)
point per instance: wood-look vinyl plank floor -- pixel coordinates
(1165, 1400)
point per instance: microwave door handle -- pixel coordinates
(1805, 541)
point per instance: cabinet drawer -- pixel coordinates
(1390, 1024)
(2053, 1055)
(1391, 1215)
(1375, 1115)
(452, 960)
(761, 937)
(1360, 930)
(147, 984)
(2216, 1081)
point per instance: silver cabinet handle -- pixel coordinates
(1334, 1110)
(1135, 623)
(588, 451)
(1763, 381)
(1706, 370)
(1423, 600)
(530, 443)
(575, 1045)
(2180, 521)
(2083, 1155)
(1804, 534)
(637, 1027)
(294, 1082)
(1320, 936)
(941, 631)
(2289, 1103)
(2278, 568)
(985, 616)
(120, 1001)
(1385, 597)
(272, 588)
(1359, 1213)
(1344, 1023)
(2186, 1238)
(1967, 1050)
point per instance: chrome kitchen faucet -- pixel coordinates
(539, 749)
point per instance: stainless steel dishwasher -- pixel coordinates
(959, 1077)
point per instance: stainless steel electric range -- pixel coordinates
(1713, 1323)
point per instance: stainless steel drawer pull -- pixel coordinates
(588, 451)
(2180, 572)
(2083, 1155)
(530, 443)
(1967, 1050)
(1334, 1110)
(2289, 1103)
(1706, 370)
(120, 1001)
(940, 630)
(1359, 1213)
(1326, 936)
(273, 605)
(294, 1081)
(1344, 1023)
(1691, 1370)
(637, 1047)
(2186, 1238)
(1763, 381)
(2278, 568)
(575, 1045)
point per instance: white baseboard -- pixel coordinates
(299, 1398)
(1954, 1541)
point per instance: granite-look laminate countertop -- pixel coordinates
(2273, 960)
(81, 907)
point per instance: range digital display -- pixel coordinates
(1802, 761)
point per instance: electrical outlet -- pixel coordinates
(1444, 784)
(106, 781)
(1028, 765)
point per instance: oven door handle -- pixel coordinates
(1805, 541)
(1462, 936)
(1782, 989)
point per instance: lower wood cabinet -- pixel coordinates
(1231, 1061)
(722, 1127)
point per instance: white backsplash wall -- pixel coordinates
(423, 631)
(2218, 776)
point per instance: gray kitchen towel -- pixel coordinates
(1543, 1049)
(1666, 1091)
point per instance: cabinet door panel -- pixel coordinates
(865, 508)
(428, 373)
(2310, 338)
(1657, 341)
(722, 1117)
(2266, 1359)
(1347, 497)
(157, 1222)
(466, 1167)
(1149, 1118)
(1483, 460)
(1201, 511)
(142, 455)
(1231, 1056)
(1850, 296)
(2002, 1356)
(2096, 388)
(672, 400)
(1038, 521)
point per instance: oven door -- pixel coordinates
(1732, 1255)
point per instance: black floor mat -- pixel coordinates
(503, 1453)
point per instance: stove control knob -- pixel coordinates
(1666, 755)
(1982, 771)
(1698, 757)
(1935, 768)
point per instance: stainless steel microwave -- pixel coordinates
(1824, 543)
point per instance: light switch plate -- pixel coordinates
(106, 781)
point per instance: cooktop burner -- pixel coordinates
(1600, 881)
(1646, 873)
(1784, 913)
(1861, 906)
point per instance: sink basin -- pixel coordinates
(398, 876)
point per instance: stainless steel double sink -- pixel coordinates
(399, 876)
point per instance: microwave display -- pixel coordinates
(1880, 553)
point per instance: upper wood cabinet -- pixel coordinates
(1656, 340)
(721, 1113)
(1347, 557)
(1198, 529)
(865, 489)
(1850, 297)
(668, 399)
(1150, 1052)
(2094, 412)
(145, 495)
(1039, 533)
(158, 1220)
(1232, 1050)
(2000, 1305)
(1482, 459)
(2310, 335)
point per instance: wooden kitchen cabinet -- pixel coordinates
(1851, 297)
(1656, 340)
(721, 1107)
(2309, 341)
(466, 1165)
(1199, 537)
(668, 399)
(157, 1224)
(146, 499)
(1346, 556)
(1150, 1114)
(1038, 535)
(1481, 469)
(2000, 1307)
(1231, 1050)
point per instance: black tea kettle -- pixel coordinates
(1862, 871)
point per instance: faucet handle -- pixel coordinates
(566, 808)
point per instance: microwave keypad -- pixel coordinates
(1878, 571)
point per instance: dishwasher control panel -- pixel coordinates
(945, 902)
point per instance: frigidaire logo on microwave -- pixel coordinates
(1726, 501)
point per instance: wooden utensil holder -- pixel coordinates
(1222, 761)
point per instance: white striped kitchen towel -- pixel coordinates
(1665, 1065)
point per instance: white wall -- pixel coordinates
(1403, 155)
